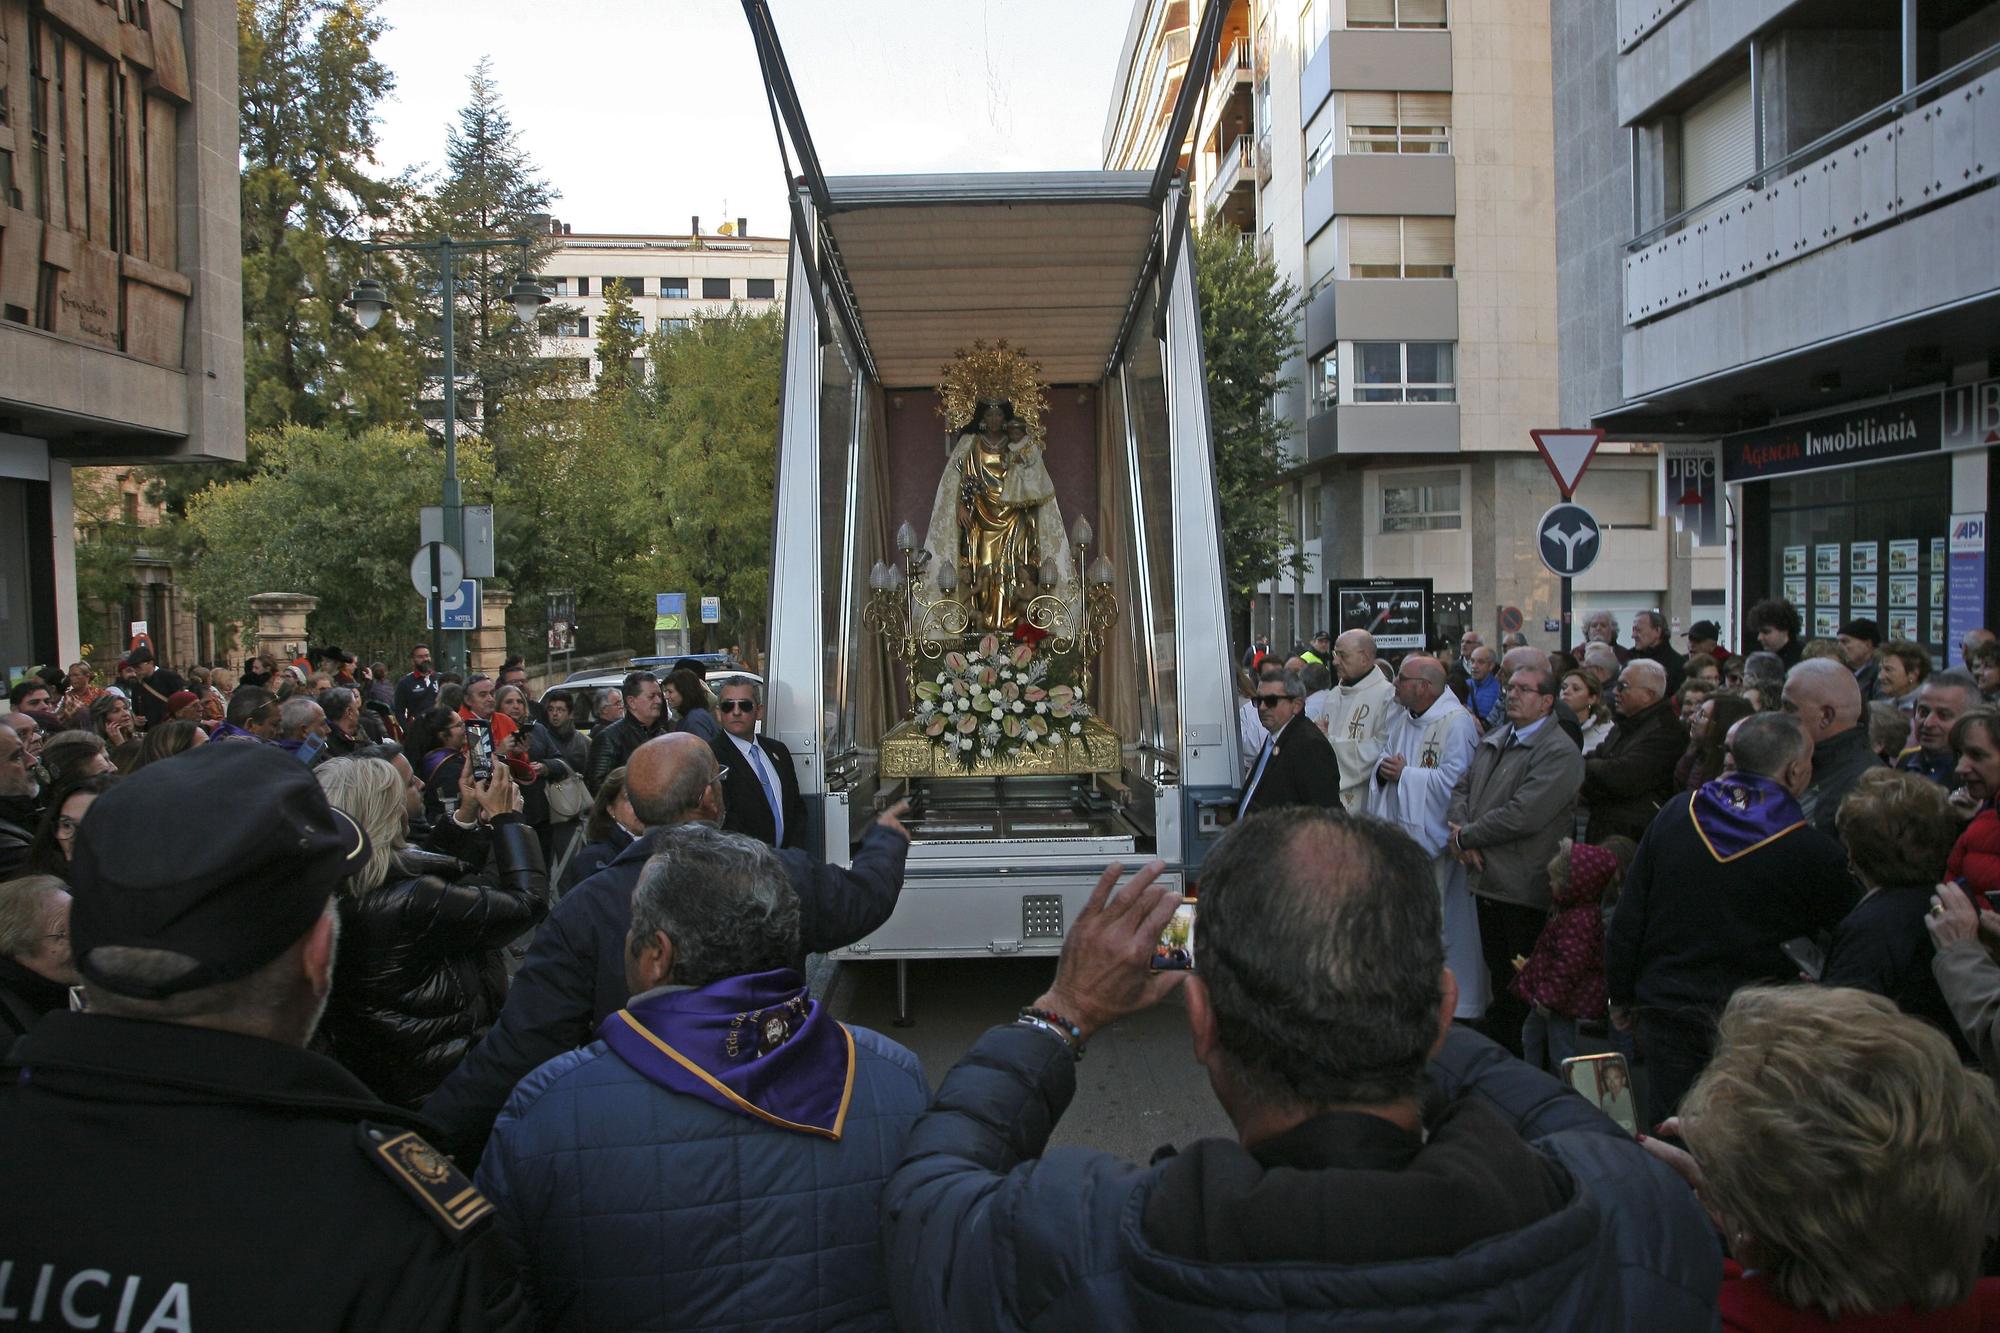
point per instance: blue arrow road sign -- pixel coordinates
(460, 608)
(1568, 539)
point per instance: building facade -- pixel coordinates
(671, 280)
(1396, 160)
(121, 319)
(1779, 250)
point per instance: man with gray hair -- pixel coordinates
(20, 811)
(1626, 779)
(778, 1125)
(1650, 642)
(574, 975)
(302, 728)
(1945, 698)
(1601, 626)
(1822, 693)
(1720, 881)
(1387, 1168)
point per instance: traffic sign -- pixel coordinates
(1568, 538)
(451, 570)
(711, 610)
(670, 611)
(460, 607)
(477, 547)
(1568, 453)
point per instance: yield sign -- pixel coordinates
(1568, 453)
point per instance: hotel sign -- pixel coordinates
(1895, 429)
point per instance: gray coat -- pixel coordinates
(1513, 806)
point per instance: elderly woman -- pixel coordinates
(419, 976)
(1850, 1162)
(35, 968)
(1902, 670)
(1898, 830)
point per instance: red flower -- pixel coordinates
(1028, 634)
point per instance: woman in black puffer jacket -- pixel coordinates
(420, 975)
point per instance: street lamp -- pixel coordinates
(370, 300)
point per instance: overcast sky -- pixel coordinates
(642, 113)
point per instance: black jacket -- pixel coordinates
(18, 820)
(1838, 763)
(747, 809)
(1882, 946)
(415, 695)
(24, 997)
(1672, 662)
(1302, 771)
(574, 975)
(420, 975)
(1690, 929)
(1626, 779)
(149, 698)
(611, 746)
(246, 1183)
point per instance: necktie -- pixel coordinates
(770, 792)
(1270, 744)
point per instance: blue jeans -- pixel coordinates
(1547, 1039)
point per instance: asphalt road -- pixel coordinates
(1137, 1088)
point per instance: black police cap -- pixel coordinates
(224, 853)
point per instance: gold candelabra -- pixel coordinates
(902, 610)
(1078, 610)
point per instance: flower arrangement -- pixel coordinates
(998, 701)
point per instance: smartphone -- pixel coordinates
(1175, 950)
(479, 740)
(1605, 1082)
(1808, 957)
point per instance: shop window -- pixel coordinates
(1404, 373)
(1421, 501)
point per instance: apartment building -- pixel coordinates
(121, 311)
(671, 280)
(1779, 251)
(1396, 160)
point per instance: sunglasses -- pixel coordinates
(736, 706)
(1271, 700)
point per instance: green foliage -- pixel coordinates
(310, 87)
(333, 515)
(107, 543)
(621, 335)
(490, 190)
(662, 488)
(1249, 322)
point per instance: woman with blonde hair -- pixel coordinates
(419, 977)
(1851, 1163)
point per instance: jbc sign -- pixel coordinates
(1691, 493)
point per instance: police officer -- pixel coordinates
(176, 1158)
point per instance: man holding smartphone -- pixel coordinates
(1388, 1162)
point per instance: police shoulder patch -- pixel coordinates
(441, 1191)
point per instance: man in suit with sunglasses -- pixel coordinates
(760, 789)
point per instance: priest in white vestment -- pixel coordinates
(1357, 716)
(1427, 749)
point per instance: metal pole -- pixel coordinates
(454, 511)
(1909, 44)
(1567, 610)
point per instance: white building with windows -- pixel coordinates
(1396, 161)
(671, 281)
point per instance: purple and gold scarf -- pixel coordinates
(757, 1045)
(1740, 812)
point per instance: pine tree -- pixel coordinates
(310, 88)
(1249, 322)
(491, 189)
(621, 335)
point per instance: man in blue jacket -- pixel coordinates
(574, 975)
(1360, 1192)
(771, 1126)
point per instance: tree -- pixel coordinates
(491, 190)
(310, 85)
(621, 337)
(333, 515)
(1249, 322)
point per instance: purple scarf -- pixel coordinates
(1740, 812)
(757, 1045)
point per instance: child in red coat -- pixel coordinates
(1563, 977)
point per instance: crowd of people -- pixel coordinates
(506, 995)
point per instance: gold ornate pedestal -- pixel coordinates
(908, 753)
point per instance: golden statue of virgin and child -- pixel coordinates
(995, 518)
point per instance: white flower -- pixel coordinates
(1076, 728)
(1020, 707)
(1042, 707)
(985, 752)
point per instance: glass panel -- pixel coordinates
(1371, 13)
(1378, 363)
(1430, 363)
(836, 444)
(1420, 13)
(1147, 390)
(1323, 382)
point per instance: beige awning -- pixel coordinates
(1052, 278)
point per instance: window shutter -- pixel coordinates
(1370, 109)
(1426, 110)
(1718, 143)
(1427, 241)
(1423, 13)
(1373, 242)
(1371, 13)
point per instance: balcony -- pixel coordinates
(1374, 60)
(1234, 169)
(1405, 184)
(1382, 310)
(1232, 72)
(1883, 222)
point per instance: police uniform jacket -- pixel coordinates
(186, 1178)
